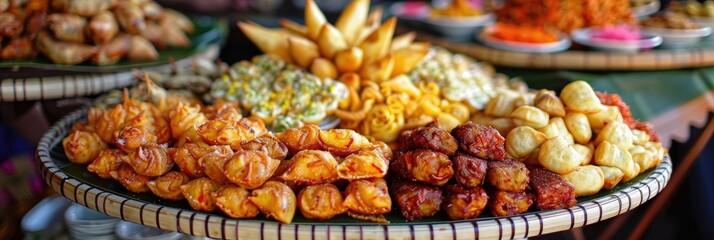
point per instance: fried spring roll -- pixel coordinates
(469, 171)
(423, 165)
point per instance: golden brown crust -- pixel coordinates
(423, 165)
(508, 175)
(108, 160)
(464, 203)
(199, 194)
(415, 200)
(368, 196)
(234, 202)
(275, 200)
(320, 202)
(480, 141)
(168, 186)
(131, 180)
(250, 169)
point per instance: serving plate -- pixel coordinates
(109, 197)
(208, 31)
(563, 43)
(646, 10)
(646, 41)
(679, 37)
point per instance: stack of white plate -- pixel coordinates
(132, 231)
(84, 223)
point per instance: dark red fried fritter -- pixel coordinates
(270, 144)
(508, 175)
(470, 171)
(508, 203)
(423, 165)
(480, 141)
(433, 138)
(415, 200)
(464, 203)
(551, 190)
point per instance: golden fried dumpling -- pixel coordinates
(131, 180)
(586, 153)
(189, 136)
(306, 137)
(368, 163)
(640, 137)
(183, 117)
(320, 202)
(383, 149)
(225, 132)
(199, 194)
(135, 133)
(108, 160)
(500, 105)
(588, 180)
(149, 160)
(617, 133)
(607, 154)
(556, 127)
(250, 169)
(309, 167)
(645, 159)
(521, 141)
(213, 162)
(550, 104)
(368, 196)
(186, 158)
(234, 202)
(612, 176)
(607, 115)
(530, 116)
(168, 186)
(109, 122)
(269, 144)
(275, 200)
(578, 125)
(342, 142)
(83, 147)
(559, 156)
(579, 96)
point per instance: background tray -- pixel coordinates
(108, 197)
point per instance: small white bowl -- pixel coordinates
(584, 37)
(132, 231)
(563, 43)
(458, 26)
(678, 37)
(646, 10)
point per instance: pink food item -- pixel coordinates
(616, 32)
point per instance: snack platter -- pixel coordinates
(412, 140)
(83, 188)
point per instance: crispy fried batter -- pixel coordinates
(416, 200)
(320, 202)
(150, 160)
(269, 144)
(83, 147)
(304, 138)
(275, 200)
(508, 175)
(250, 169)
(343, 142)
(463, 202)
(469, 171)
(234, 202)
(368, 163)
(108, 160)
(168, 186)
(551, 190)
(433, 138)
(199, 194)
(131, 180)
(423, 165)
(309, 167)
(480, 141)
(508, 203)
(368, 196)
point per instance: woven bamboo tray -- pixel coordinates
(659, 59)
(72, 181)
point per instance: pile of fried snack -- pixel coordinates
(103, 31)
(588, 138)
(216, 159)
